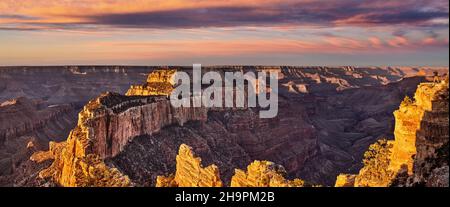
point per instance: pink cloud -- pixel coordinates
(398, 41)
(375, 42)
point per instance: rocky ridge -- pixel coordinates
(159, 82)
(419, 153)
(99, 135)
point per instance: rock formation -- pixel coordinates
(419, 153)
(345, 180)
(113, 120)
(27, 126)
(430, 167)
(190, 172)
(239, 131)
(328, 117)
(105, 126)
(263, 174)
(79, 84)
(418, 121)
(68, 84)
(159, 82)
(22, 116)
(147, 157)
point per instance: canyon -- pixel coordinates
(328, 118)
(26, 126)
(418, 156)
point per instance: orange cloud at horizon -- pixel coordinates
(128, 52)
(81, 7)
(167, 49)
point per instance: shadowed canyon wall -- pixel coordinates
(27, 126)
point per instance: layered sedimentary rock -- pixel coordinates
(346, 123)
(190, 172)
(79, 84)
(159, 82)
(430, 167)
(419, 153)
(241, 132)
(147, 157)
(276, 139)
(228, 138)
(327, 119)
(27, 126)
(416, 123)
(105, 126)
(22, 116)
(71, 167)
(68, 84)
(114, 120)
(263, 174)
(55, 149)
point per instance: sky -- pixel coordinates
(224, 32)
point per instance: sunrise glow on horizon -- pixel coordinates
(255, 32)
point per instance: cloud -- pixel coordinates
(375, 42)
(17, 17)
(392, 18)
(310, 13)
(398, 41)
(200, 14)
(189, 29)
(329, 45)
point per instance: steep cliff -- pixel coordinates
(190, 172)
(419, 153)
(346, 123)
(105, 126)
(430, 167)
(72, 167)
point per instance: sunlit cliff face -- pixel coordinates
(421, 136)
(174, 32)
